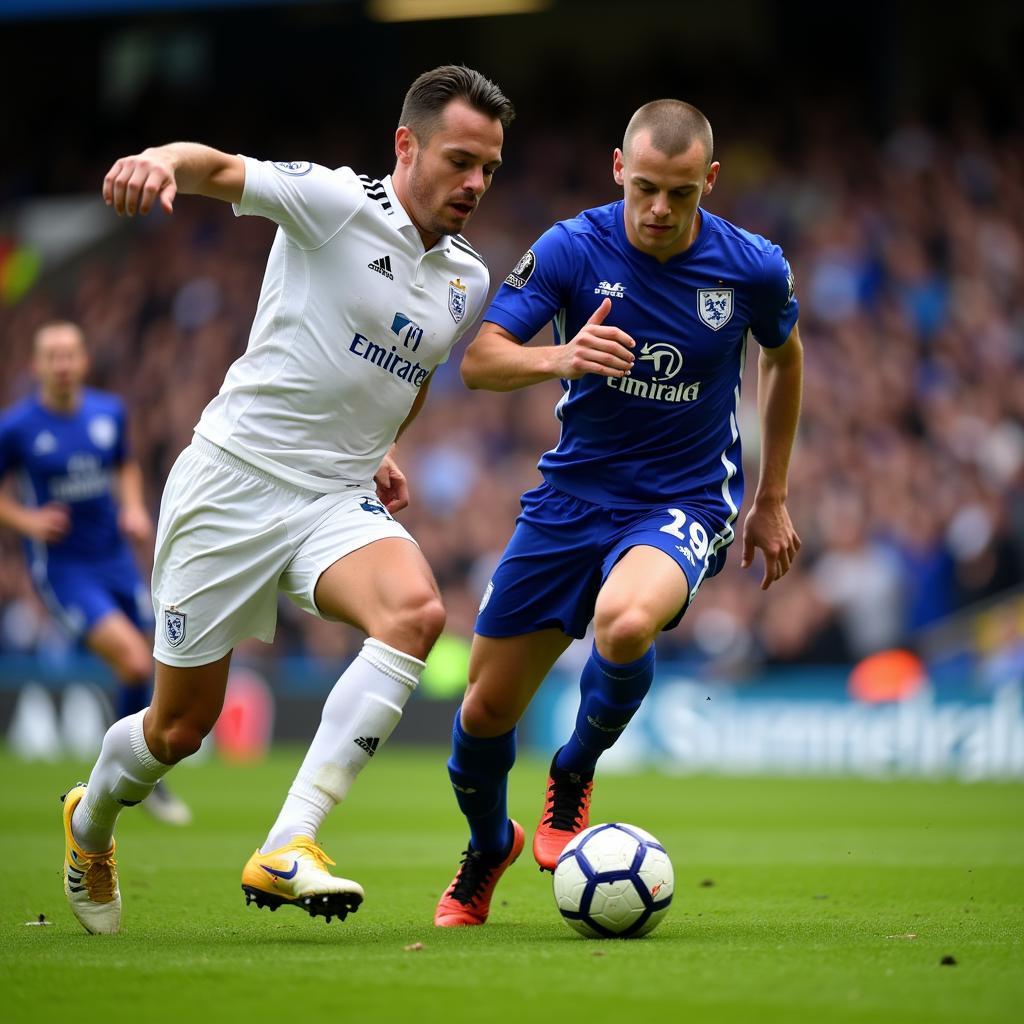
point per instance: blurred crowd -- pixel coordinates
(907, 483)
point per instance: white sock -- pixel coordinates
(360, 713)
(124, 775)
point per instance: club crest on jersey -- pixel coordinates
(296, 168)
(174, 626)
(714, 306)
(457, 297)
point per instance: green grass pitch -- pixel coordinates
(796, 900)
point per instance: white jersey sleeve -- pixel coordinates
(309, 202)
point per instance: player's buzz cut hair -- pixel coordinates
(673, 125)
(56, 325)
(434, 90)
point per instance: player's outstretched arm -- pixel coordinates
(48, 523)
(135, 183)
(496, 360)
(768, 526)
(133, 517)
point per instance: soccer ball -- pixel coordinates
(613, 881)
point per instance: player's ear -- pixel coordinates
(405, 145)
(711, 177)
(618, 166)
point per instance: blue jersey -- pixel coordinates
(667, 432)
(69, 458)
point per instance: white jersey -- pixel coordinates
(352, 318)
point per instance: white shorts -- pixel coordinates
(231, 536)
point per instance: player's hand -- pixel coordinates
(49, 523)
(598, 348)
(135, 183)
(769, 528)
(135, 524)
(392, 488)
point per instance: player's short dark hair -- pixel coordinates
(52, 325)
(434, 90)
(673, 125)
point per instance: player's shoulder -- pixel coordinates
(19, 413)
(463, 256)
(738, 241)
(597, 222)
(96, 401)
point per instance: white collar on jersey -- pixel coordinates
(401, 219)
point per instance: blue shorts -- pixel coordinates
(79, 594)
(563, 549)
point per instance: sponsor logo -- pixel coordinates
(296, 168)
(368, 743)
(523, 270)
(666, 360)
(413, 331)
(457, 299)
(612, 291)
(655, 391)
(389, 360)
(686, 553)
(714, 306)
(174, 626)
(382, 267)
(486, 597)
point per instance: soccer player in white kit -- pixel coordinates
(290, 481)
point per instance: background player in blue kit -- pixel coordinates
(652, 300)
(82, 503)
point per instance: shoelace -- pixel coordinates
(316, 852)
(100, 880)
(567, 797)
(472, 877)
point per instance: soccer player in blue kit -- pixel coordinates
(652, 300)
(82, 502)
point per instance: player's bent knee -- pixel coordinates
(177, 741)
(416, 626)
(485, 715)
(624, 635)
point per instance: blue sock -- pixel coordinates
(479, 771)
(610, 695)
(131, 700)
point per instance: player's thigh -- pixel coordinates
(652, 574)
(362, 567)
(504, 674)
(122, 645)
(550, 571)
(223, 540)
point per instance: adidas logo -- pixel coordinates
(382, 266)
(368, 743)
(613, 291)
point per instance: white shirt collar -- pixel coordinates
(401, 219)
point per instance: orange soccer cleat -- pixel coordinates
(566, 814)
(467, 900)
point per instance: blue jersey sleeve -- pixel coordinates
(776, 309)
(538, 286)
(9, 455)
(121, 454)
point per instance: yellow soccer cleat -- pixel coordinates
(296, 875)
(90, 879)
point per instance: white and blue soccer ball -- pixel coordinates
(613, 881)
